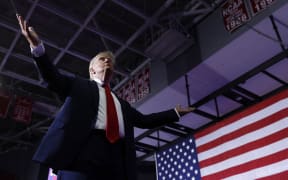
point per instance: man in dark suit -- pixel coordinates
(92, 136)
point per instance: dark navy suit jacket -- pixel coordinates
(76, 118)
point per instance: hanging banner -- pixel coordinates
(235, 14)
(5, 100)
(137, 88)
(22, 110)
(259, 5)
(143, 80)
(130, 92)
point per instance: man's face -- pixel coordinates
(102, 65)
(102, 62)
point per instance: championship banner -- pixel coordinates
(125, 92)
(137, 88)
(259, 5)
(235, 14)
(22, 110)
(5, 100)
(143, 80)
(130, 91)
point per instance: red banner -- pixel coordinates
(143, 83)
(5, 100)
(130, 91)
(137, 88)
(22, 110)
(234, 14)
(259, 5)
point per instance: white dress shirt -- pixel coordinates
(102, 115)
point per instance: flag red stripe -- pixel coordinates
(245, 148)
(244, 130)
(249, 165)
(283, 175)
(242, 114)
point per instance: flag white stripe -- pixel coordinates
(156, 164)
(246, 157)
(242, 140)
(257, 116)
(261, 172)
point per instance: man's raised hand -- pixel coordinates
(28, 32)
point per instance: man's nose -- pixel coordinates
(107, 59)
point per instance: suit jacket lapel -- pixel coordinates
(94, 92)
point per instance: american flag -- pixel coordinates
(252, 144)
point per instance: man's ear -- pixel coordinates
(91, 71)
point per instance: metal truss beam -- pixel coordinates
(82, 27)
(277, 58)
(89, 28)
(18, 34)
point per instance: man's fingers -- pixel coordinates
(32, 32)
(20, 21)
(25, 26)
(188, 109)
(34, 36)
(28, 32)
(192, 109)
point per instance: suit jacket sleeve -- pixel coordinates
(153, 120)
(56, 82)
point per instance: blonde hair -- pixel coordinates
(104, 53)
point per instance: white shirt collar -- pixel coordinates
(100, 82)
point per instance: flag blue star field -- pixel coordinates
(179, 162)
(250, 145)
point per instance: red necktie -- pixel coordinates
(112, 127)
